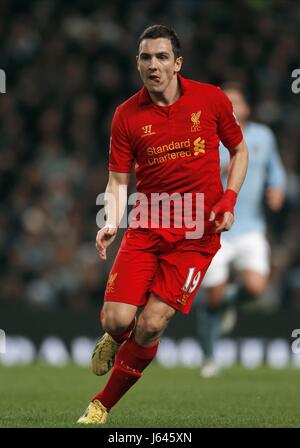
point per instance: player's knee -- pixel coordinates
(256, 287)
(150, 327)
(115, 322)
(214, 302)
(214, 297)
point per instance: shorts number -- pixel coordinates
(187, 286)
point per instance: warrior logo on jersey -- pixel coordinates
(147, 130)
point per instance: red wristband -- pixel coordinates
(231, 197)
(226, 203)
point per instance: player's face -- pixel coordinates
(239, 104)
(156, 64)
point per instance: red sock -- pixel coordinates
(130, 362)
(121, 336)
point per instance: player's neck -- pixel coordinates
(170, 95)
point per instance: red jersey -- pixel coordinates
(175, 149)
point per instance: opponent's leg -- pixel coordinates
(209, 318)
(254, 284)
(253, 264)
(218, 307)
(209, 310)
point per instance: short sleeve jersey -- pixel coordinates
(175, 149)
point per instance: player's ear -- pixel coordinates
(178, 64)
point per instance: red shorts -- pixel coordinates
(161, 262)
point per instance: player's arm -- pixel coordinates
(222, 212)
(120, 163)
(276, 179)
(237, 168)
(115, 199)
(231, 136)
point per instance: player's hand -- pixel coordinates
(104, 238)
(224, 224)
(222, 211)
(275, 198)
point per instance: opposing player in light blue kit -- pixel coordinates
(245, 247)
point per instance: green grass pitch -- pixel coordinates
(42, 396)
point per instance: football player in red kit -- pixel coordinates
(170, 132)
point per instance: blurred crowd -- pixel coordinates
(68, 64)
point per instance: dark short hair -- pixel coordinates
(157, 31)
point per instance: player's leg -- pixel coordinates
(137, 352)
(118, 321)
(116, 317)
(209, 310)
(173, 288)
(168, 293)
(129, 279)
(153, 321)
(127, 286)
(255, 283)
(209, 314)
(253, 263)
(215, 294)
(251, 257)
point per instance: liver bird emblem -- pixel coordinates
(195, 117)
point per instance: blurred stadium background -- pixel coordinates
(68, 64)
